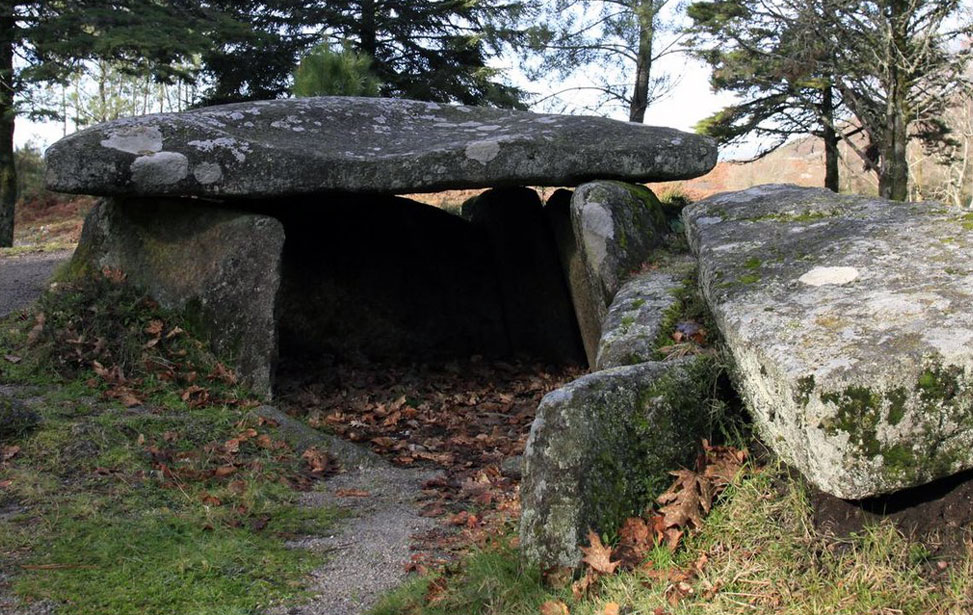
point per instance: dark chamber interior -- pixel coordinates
(388, 279)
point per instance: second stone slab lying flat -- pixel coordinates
(851, 328)
(374, 145)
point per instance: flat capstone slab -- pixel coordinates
(850, 323)
(372, 145)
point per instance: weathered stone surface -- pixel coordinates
(312, 145)
(850, 323)
(536, 305)
(16, 419)
(617, 225)
(600, 449)
(638, 313)
(220, 267)
(558, 210)
(386, 278)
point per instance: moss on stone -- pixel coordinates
(858, 411)
(628, 474)
(749, 278)
(896, 401)
(805, 386)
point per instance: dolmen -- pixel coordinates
(279, 227)
(285, 228)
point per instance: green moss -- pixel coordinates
(631, 469)
(749, 278)
(805, 386)
(899, 461)
(752, 263)
(858, 414)
(638, 303)
(806, 216)
(896, 400)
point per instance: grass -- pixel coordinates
(145, 509)
(757, 553)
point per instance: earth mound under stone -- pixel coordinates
(372, 145)
(850, 325)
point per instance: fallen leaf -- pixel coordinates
(582, 587)
(5, 484)
(611, 609)
(554, 607)
(210, 500)
(154, 328)
(8, 452)
(12, 358)
(597, 555)
(352, 493)
(224, 471)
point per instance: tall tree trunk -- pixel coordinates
(831, 179)
(645, 12)
(8, 170)
(893, 181)
(367, 34)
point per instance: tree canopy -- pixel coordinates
(886, 66)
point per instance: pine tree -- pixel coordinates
(329, 72)
(765, 54)
(54, 39)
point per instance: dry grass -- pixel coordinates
(757, 554)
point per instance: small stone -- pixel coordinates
(16, 420)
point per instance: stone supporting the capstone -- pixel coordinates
(220, 267)
(600, 449)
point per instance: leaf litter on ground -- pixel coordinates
(466, 418)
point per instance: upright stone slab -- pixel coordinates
(537, 307)
(601, 448)
(617, 225)
(558, 210)
(638, 314)
(222, 268)
(370, 145)
(850, 320)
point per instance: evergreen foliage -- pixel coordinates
(326, 72)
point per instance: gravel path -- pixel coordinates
(369, 549)
(24, 277)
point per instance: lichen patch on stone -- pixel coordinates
(159, 169)
(483, 151)
(135, 139)
(208, 172)
(820, 276)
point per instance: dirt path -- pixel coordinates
(24, 277)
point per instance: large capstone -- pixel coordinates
(600, 450)
(375, 145)
(221, 268)
(849, 320)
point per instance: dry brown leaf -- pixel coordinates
(8, 452)
(598, 556)
(554, 607)
(12, 358)
(611, 609)
(154, 328)
(352, 493)
(687, 500)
